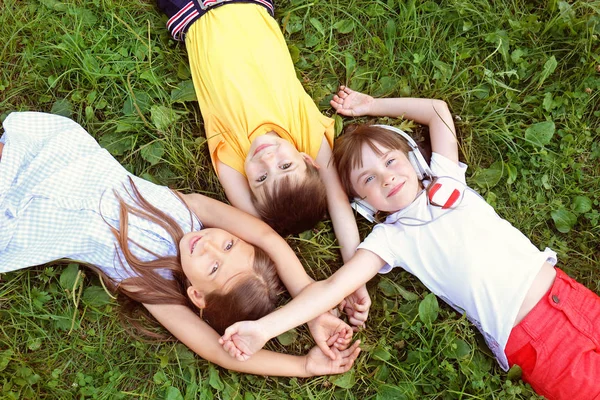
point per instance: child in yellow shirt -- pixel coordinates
(269, 144)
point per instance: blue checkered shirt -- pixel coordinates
(56, 185)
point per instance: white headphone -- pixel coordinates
(417, 161)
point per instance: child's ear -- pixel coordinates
(197, 297)
(310, 160)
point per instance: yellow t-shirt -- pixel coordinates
(247, 86)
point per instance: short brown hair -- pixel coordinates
(250, 299)
(291, 207)
(347, 152)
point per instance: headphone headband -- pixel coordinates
(414, 156)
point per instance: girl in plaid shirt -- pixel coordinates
(63, 196)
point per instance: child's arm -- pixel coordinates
(430, 112)
(236, 188)
(344, 225)
(203, 340)
(242, 339)
(327, 330)
(338, 206)
(214, 213)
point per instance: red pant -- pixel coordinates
(558, 343)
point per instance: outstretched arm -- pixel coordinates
(338, 206)
(430, 112)
(203, 340)
(344, 225)
(243, 339)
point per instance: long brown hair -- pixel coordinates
(250, 298)
(291, 207)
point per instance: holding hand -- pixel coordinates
(329, 333)
(318, 363)
(356, 306)
(242, 339)
(350, 103)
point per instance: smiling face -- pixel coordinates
(271, 158)
(213, 259)
(387, 181)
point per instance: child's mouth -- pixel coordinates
(193, 243)
(261, 147)
(395, 190)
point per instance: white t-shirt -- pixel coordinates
(467, 255)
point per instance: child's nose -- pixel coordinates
(268, 158)
(389, 179)
(208, 247)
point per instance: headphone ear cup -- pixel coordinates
(364, 209)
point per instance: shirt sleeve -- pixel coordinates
(442, 166)
(378, 242)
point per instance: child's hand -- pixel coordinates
(330, 332)
(318, 363)
(350, 103)
(356, 306)
(243, 339)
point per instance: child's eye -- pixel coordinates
(389, 162)
(214, 268)
(262, 178)
(229, 245)
(369, 179)
(285, 166)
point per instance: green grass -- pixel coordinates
(522, 78)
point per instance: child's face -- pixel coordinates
(388, 181)
(269, 159)
(213, 259)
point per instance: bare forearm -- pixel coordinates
(423, 111)
(314, 300)
(203, 340)
(342, 217)
(290, 270)
(344, 226)
(266, 363)
(433, 113)
(322, 296)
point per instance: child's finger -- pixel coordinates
(349, 355)
(232, 352)
(332, 339)
(230, 331)
(347, 334)
(357, 321)
(228, 346)
(231, 349)
(326, 350)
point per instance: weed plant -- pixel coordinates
(521, 77)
